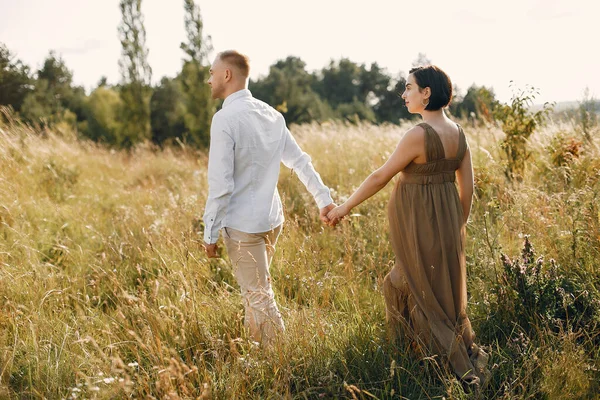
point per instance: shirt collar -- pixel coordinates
(236, 95)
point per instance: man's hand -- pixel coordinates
(211, 250)
(324, 211)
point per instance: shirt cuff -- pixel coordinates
(211, 238)
(211, 235)
(324, 199)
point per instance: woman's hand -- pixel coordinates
(337, 214)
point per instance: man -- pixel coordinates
(248, 141)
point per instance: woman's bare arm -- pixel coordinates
(464, 178)
(409, 148)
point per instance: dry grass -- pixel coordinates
(105, 292)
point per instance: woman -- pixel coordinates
(426, 290)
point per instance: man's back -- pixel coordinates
(249, 140)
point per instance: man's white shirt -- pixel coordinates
(248, 141)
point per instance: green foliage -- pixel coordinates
(532, 292)
(41, 104)
(102, 115)
(167, 111)
(340, 83)
(15, 79)
(134, 116)
(355, 111)
(136, 74)
(344, 90)
(479, 102)
(389, 106)
(199, 105)
(53, 98)
(518, 123)
(357, 92)
(288, 89)
(197, 47)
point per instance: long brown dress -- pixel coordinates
(426, 290)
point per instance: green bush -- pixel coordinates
(518, 123)
(533, 292)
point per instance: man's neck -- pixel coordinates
(233, 89)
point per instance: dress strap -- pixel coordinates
(434, 149)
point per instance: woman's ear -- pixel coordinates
(427, 93)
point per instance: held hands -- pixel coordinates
(324, 211)
(337, 214)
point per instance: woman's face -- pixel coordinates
(414, 97)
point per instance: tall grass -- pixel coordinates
(105, 291)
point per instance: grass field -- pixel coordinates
(105, 291)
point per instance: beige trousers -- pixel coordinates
(251, 255)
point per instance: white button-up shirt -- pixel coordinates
(248, 141)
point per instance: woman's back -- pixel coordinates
(441, 154)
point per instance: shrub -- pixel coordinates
(564, 149)
(533, 292)
(518, 123)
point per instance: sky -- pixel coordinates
(549, 44)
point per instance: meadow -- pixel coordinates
(105, 291)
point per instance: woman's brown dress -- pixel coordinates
(426, 290)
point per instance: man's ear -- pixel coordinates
(228, 75)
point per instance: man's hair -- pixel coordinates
(438, 82)
(238, 60)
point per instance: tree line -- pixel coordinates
(181, 108)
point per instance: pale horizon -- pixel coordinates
(545, 44)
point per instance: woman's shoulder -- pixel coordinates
(416, 132)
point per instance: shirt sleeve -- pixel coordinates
(220, 178)
(293, 157)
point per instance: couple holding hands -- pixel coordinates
(425, 292)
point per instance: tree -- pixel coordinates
(340, 83)
(102, 112)
(373, 83)
(15, 80)
(479, 102)
(167, 110)
(197, 47)
(136, 74)
(54, 98)
(518, 123)
(349, 88)
(288, 89)
(391, 107)
(199, 105)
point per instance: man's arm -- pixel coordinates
(220, 181)
(293, 157)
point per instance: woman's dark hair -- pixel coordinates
(438, 82)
